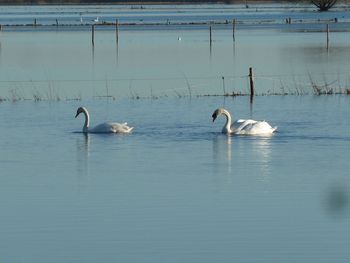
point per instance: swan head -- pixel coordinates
(80, 110)
(217, 113)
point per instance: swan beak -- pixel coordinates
(214, 117)
(76, 115)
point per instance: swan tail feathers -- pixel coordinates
(125, 129)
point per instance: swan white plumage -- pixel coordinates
(107, 127)
(243, 127)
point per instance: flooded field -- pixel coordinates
(175, 189)
(160, 58)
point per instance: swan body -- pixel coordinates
(106, 127)
(243, 127)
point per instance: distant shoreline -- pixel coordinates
(151, 2)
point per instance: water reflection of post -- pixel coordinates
(234, 49)
(93, 54)
(117, 31)
(251, 108)
(116, 40)
(1, 38)
(233, 30)
(83, 144)
(93, 43)
(210, 51)
(327, 31)
(116, 54)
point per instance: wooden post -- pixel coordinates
(223, 85)
(233, 29)
(116, 31)
(327, 36)
(210, 39)
(35, 22)
(251, 82)
(0, 27)
(93, 34)
(56, 22)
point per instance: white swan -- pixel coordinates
(244, 127)
(107, 127)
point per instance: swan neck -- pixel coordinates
(227, 127)
(87, 121)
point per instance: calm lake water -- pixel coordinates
(151, 61)
(176, 189)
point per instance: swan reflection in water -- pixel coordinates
(262, 154)
(222, 153)
(83, 145)
(232, 154)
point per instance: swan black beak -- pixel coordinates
(214, 117)
(76, 115)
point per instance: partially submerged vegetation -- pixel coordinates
(48, 91)
(294, 87)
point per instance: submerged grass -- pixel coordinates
(280, 86)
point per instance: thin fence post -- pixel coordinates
(35, 22)
(327, 30)
(233, 29)
(116, 31)
(56, 22)
(223, 85)
(93, 34)
(251, 83)
(0, 27)
(210, 39)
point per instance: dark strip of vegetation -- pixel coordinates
(322, 4)
(140, 2)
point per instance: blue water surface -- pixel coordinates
(176, 189)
